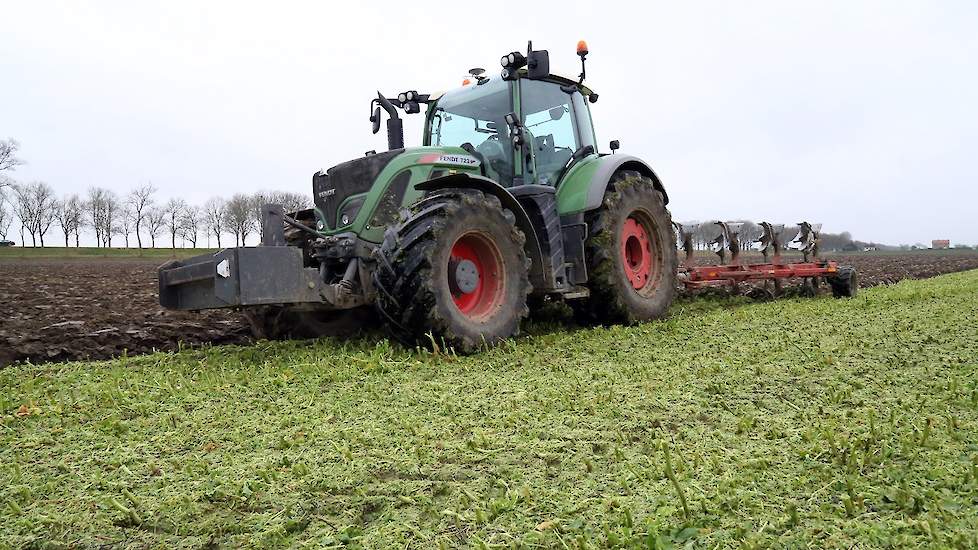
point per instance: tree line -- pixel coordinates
(134, 218)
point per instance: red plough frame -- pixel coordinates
(731, 274)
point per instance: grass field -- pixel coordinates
(91, 252)
(806, 422)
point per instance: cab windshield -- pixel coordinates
(475, 115)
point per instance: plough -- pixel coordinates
(729, 239)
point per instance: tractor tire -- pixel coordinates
(631, 255)
(453, 273)
(844, 283)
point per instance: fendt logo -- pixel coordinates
(326, 193)
(458, 160)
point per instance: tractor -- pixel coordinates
(508, 204)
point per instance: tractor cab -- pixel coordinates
(553, 118)
(525, 126)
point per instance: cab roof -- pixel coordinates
(559, 79)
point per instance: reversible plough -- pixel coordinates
(729, 239)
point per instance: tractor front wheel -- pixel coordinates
(454, 273)
(631, 255)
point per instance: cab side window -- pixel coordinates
(548, 114)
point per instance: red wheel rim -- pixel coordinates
(482, 300)
(636, 253)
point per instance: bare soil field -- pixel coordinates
(65, 309)
(58, 309)
(888, 268)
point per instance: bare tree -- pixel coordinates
(36, 209)
(291, 202)
(749, 232)
(240, 217)
(78, 218)
(47, 203)
(69, 215)
(140, 200)
(112, 217)
(8, 160)
(155, 218)
(255, 202)
(127, 221)
(6, 218)
(840, 241)
(95, 208)
(23, 209)
(61, 213)
(190, 224)
(703, 234)
(174, 214)
(215, 217)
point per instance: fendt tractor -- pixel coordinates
(508, 202)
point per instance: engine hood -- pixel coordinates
(349, 178)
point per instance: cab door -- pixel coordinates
(558, 124)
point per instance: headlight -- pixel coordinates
(402, 97)
(349, 211)
(504, 60)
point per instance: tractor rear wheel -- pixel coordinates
(631, 254)
(454, 273)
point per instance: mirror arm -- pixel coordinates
(386, 104)
(395, 126)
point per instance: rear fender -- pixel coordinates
(583, 188)
(532, 247)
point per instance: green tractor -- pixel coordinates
(507, 203)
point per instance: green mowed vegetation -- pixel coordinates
(803, 422)
(99, 253)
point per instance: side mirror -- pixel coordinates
(614, 145)
(538, 65)
(375, 119)
(557, 113)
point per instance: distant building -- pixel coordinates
(940, 244)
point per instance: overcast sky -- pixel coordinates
(860, 115)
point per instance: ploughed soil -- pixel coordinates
(67, 309)
(887, 268)
(71, 309)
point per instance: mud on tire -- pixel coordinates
(631, 254)
(454, 270)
